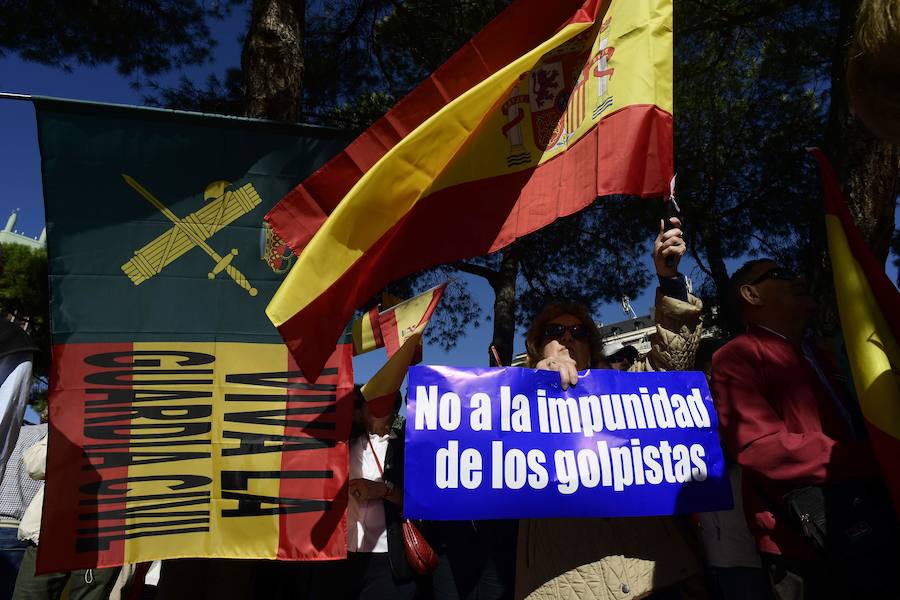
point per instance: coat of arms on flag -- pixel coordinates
(550, 106)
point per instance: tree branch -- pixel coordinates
(472, 269)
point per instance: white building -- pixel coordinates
(10, 236)
(630, 332)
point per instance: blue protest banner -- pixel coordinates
(509, 443)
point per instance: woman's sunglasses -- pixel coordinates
(558, 332)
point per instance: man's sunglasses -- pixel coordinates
(557, 332)
(779, 273)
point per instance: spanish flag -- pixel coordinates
(390, 328)
(550, 106)
(867, 301)
(404, 326)
(400, 322)
(366, 333)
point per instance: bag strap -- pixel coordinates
(375, 454)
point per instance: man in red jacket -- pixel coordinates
(785, 419)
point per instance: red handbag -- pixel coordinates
(419, 554)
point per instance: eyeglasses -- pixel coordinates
(779, 273)
(555, 331)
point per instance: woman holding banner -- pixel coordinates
(613, 558)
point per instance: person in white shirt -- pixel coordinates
(16, 358)
(84, 584)
(376, 565)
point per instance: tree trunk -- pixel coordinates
(272, 59)
(711, 239)
(867, 167)
(505, 305)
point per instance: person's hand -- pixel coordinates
(366, 489)
(668, 243)
(556, 358)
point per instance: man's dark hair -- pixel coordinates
(738, 279)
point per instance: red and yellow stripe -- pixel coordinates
(431, 182)
(366, 333)
(180, 494)
(400, 322)
(867, 301)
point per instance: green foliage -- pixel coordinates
(360, 53)
(362, 112)
(752, 90)
(147, 37)
(24, 293)
(595, 256)
(218, 96)
(895, 250)
(419, 35)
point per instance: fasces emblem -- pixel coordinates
(223, 208)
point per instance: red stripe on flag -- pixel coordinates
(886, 295)
(432, 305)
(388, 327)
(375, 324)
(417, 356)
(477, 217)
(517, 30)
(62, 548)
(318, 534)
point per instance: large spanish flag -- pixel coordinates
(550, 106)
(867, 301)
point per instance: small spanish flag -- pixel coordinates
(867, 301)
(401, 321)
(406, 323)
(366, 333)
(391, 327)
(550, 106)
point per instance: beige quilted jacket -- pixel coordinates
(616, 559)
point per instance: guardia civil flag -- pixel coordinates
(550, 106)
(180, 426)
(868, 303)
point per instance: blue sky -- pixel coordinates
(20, 177)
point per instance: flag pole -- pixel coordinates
(12, 96)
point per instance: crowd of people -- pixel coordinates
(811, 517)
(792, 433)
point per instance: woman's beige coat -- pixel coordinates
(621, 558)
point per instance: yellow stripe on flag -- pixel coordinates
(409, 320)
(364, 334)
(408, 170)
(871, 346)
(248, 537)
(402, 320)
(390, 377)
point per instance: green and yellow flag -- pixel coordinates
(180, 426)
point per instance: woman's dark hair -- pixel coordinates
(534, 337)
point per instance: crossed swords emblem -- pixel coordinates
(192, 231)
